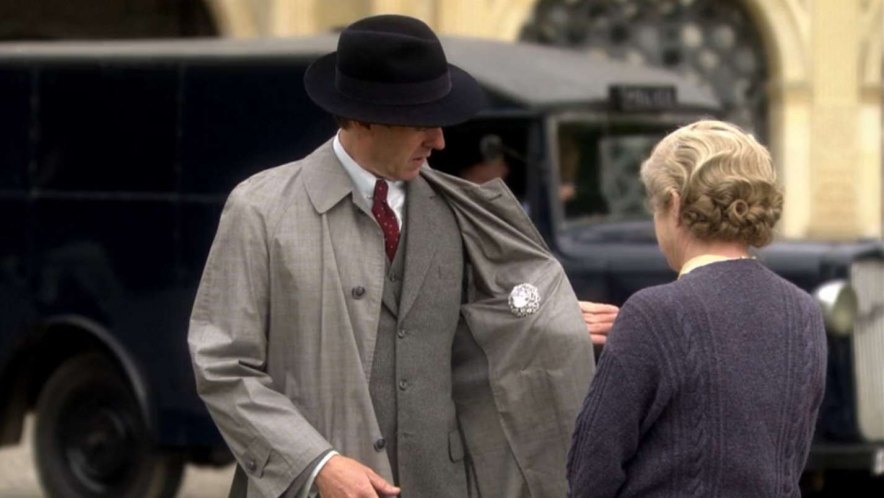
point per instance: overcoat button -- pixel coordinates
(358, 292)
(380, 444)
(401, 333)
(403, 384)
(251, 465)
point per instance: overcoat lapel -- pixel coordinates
(421, 206)
(327, 182)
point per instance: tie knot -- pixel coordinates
(380, 190)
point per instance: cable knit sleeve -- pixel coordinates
(624, 396)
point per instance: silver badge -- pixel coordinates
(524, 300)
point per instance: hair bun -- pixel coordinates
(737, 211)
(750, 218)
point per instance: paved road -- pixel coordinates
(18, 478)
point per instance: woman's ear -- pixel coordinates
(675, 206)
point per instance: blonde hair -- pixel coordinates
(724, 178)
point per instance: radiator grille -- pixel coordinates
(867, 278)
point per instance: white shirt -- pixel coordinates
(364, 182)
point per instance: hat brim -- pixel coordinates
(462, 102)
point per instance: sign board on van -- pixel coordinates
(642, 98)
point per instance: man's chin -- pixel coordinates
(412, 173)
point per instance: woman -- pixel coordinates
(709, 385)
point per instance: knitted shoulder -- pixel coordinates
(647, 320)
(796, 295)
(812, 313)
(659, 302)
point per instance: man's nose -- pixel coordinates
(435, 138)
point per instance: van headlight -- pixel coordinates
(839, 304)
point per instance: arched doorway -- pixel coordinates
(713, 42)
(104, 19)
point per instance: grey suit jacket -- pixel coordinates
(279, 347)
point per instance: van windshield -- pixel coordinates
(599, 171)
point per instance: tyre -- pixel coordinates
(91, 440)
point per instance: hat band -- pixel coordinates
(393, 93)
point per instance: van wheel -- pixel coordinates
(90, 439)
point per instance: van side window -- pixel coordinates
(238, 120)
(14, 127)
(14, 157)
(480, 151)
(621, 157)
(599, 172)
(107, 127)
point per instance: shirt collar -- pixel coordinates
(364, 180)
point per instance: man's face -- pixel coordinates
(398, 152)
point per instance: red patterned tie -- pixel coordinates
(386, 218)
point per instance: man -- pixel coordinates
(366, 325)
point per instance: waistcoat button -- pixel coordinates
(380, 444)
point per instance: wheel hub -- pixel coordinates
(99, 448)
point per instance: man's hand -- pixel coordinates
(599, 319)
(343, 477)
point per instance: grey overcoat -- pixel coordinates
(284, 372)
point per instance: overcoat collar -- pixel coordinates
(327, 183)
(325, 179)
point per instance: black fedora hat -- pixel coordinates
(391, 69)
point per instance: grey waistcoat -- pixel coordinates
(410, 383)
(382, 385)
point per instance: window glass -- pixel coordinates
(14, 126)
(240, 118)
(599, 172)
(483, 150)
(107, 127)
